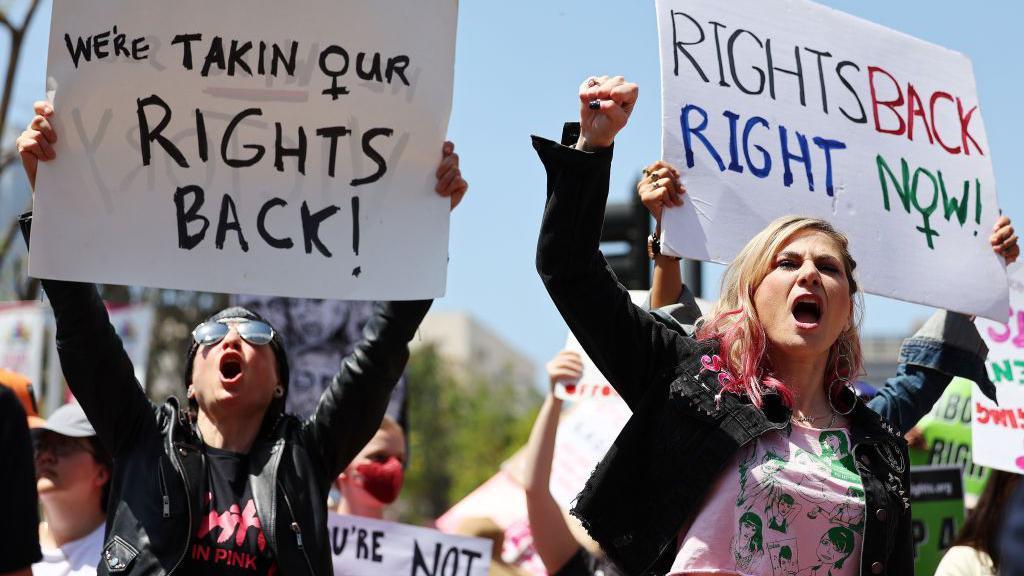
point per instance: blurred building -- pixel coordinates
(471, 349)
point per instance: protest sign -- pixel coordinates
(1005, 338)
(774, 107)
(946, 430)
(998, 430)
(937, 512)
(244, 147)
(21, 339)
(368, 547)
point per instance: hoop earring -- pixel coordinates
(843, 381)
(278, 392)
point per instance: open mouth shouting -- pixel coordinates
(231, 367)
(807, 311)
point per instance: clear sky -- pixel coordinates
(517, 70)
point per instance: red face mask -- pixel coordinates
(383, 480)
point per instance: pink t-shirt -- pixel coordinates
(787, 506)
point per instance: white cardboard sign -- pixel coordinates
(774, 107)
(1005, 339)
(997, 432)
(248, 147)
(368, 547)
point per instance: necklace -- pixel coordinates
(809, 420)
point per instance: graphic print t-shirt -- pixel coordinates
(788, 506)
(230, 539)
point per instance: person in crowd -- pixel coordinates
(374, 478)
(923, 373)
(73, 480)
(558, 549)
(226, 482)
(1011, 539)
(19, 521)
(975, 552)
(762, 377)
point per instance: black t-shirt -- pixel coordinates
(230, 539)
(19, 521)
(584, 563)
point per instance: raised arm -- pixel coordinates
(352, 407)
(625, 342)
(947, 345)
(551, 536)
(92, 356)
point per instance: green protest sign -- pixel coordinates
(947, 434)
(937, 512)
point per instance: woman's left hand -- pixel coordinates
(1004, 241)
(450, 183)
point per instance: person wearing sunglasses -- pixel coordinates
(73, 479)
(227, 483)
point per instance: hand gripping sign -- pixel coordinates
(775, 107)
(276, 148)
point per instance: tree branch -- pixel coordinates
(17, 39)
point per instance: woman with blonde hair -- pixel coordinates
(728, 417)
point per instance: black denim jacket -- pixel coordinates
(683, 432)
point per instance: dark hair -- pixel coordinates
(843, 539)
(785, 552)
(755, 522)
(102, 457)
(982, 526)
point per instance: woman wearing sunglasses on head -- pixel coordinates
(228, 484)
(747, 452)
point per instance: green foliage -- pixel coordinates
(461, 430)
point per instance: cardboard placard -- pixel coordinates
(248, 148)
(776, 107)
(369, 547)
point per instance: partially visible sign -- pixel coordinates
(775, 107)
(1005, 339)
(998, 430)
(947, 434)
(21, 339)
(369, 547)
(937, 512)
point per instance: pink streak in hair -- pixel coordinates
(751, 377)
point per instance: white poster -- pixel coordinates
(1005, 339)
(368, 547)
(244, 147)
(21, 339)
(997, 432)
(775, 107)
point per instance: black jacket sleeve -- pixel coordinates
(94, 361)
(352, 407)
(625, 342)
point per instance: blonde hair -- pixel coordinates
(734, 322)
